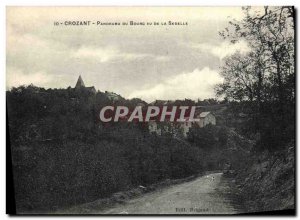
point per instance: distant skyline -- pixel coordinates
(148, 62)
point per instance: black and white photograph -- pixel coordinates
(168, 111)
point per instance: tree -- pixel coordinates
(264, 75)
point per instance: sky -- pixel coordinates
(149, 62)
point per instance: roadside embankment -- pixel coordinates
(267, 183)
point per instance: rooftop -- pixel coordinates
(204, 114)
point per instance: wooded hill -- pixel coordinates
(63, 156)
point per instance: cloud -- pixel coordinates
(224, 49)
(16, 77)
(109, 54)
(194, 85)
(121, 59)
(101, 54)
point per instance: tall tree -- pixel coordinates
(265, 75)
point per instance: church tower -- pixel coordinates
(79, 83)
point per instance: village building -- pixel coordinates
(80, 85)
(181, 128)
(186, 126)
(206, 118)
(112, 96)
(153, 127)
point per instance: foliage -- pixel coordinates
(264, 77)
(63, 155)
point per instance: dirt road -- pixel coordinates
(204, 195)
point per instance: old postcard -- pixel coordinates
(150, 110)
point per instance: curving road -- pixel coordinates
(204, 195)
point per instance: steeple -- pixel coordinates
(79, 83)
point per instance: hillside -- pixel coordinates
(62, 155)
(267, 182)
